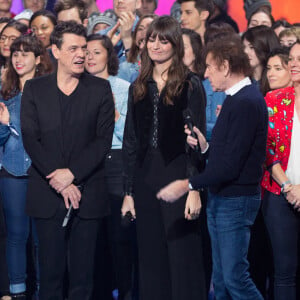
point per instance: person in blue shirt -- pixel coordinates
(28, 59)
(120, 34)
(129, 69)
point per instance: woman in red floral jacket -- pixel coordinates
(281, 203)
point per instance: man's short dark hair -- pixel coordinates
(230, 48)
(66, 27)
(61, 5)
(201, 5)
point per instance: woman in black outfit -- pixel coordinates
(154, 147)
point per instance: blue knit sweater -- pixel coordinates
(238, 146)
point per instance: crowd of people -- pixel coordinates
(148, 157)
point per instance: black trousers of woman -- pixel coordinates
(283, 225)
(116, 255)
(169, 246)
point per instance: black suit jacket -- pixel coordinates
(89, 139)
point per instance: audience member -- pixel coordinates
(121, 33)
(9, 33)
(261, 17)
(276, 74)
(101, 21)
(194, 15)
(219, 14)
(147, 7)
(71, 10)
(102, 61)
(24, 17)
(252, 6)
(28, 59)
(129, 69)
(34, 5)
(5, 7)
(280, 25)
(289, 36)
(281, 180)
(91, 6)
(42, 24)
(258, 42)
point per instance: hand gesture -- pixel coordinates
(4, 114)
(113, 35)
(293, 195)
(192, 205)
(174, 190)
(60, 179)
(126, 20)
(218, 110)
(192, 141)
(128, 205)
(71, 194)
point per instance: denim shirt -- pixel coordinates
(15, 160)
(128, 71)
(119, 89)
(212, 100)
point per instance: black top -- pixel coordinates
(152, 124)
(66, 102)
(237, 147)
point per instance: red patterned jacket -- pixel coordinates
(280, 105)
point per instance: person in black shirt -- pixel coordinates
(154, 147)
(67, 122)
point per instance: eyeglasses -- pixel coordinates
(10, 38)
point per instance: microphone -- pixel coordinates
(189, 122)
(68, 216)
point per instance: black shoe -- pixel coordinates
(19, 296)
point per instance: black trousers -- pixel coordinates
(74, 247)
(170, 247)
(116, 266)
(283, 225)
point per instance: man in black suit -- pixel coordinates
(67, 126)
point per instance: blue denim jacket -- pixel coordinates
(128, 71)
(212, 100)
(119, 89)
(15, 160)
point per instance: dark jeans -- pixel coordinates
(229, 221)
(73, 246)
(283, 225)
(13, 195)
(4, 282)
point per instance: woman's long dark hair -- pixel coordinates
(27, 43)
(263, 39)
(165, 28)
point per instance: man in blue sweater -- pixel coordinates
(234, 169)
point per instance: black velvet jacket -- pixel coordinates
(171, 136)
